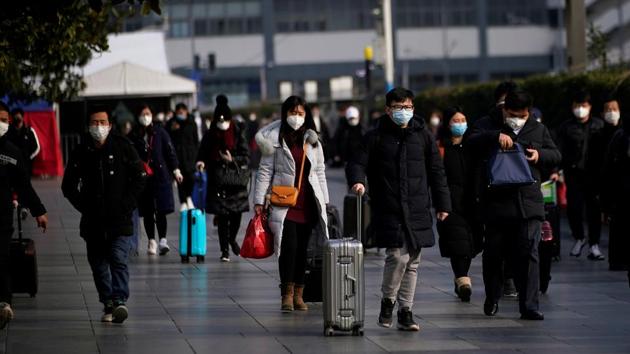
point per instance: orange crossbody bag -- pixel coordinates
(286, 196)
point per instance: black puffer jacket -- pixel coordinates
(14, 178)
(616, 169)
(400, 166)
(571, 137)
(456, 232)
(104, 184)
(222, 200)
(523, 202)
(184, 137)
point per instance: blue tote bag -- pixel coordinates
(509, 168)
(200, 190)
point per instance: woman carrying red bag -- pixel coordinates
(292, 159)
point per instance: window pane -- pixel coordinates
(178, 11)
(201, 27)
(216, 10)
(234, 9)
(199, 10)
(252, 9)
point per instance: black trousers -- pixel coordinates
(151, 221)
(6, 232)
(460, 265)
(228, 226)
(619, 240)
(292, 261)
(514, 242)
(581, 195)
(184, 189)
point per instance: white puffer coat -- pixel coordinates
(277, 168)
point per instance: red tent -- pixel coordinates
(42, 116)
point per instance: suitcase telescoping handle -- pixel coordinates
(359, 215)
(19, 221)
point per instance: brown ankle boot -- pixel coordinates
(287, 297)
(298, 301)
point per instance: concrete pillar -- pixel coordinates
(575, 20)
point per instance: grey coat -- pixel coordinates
(277, 167)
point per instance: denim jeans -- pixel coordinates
(108, 260)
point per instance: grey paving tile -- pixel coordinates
(234, 308)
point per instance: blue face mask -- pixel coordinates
(401, 117)
(458, 129)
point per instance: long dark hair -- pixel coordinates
(286, 132)
(444, 133)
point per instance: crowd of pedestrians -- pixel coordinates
(422, 175)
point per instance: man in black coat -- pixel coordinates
(13, 179)
(580, 140)
(24, 137)
(513, 215)
(348, 136)
(183, 132)
(401, 163)
(103, 180)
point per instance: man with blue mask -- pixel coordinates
(400, 161)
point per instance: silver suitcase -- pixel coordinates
(343, 284)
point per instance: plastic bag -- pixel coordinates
(258, 242)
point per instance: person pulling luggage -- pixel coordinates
(13, 178)
(399, 159)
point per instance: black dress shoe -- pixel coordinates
(490, 308)
(532, 315)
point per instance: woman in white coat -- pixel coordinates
(282, 144)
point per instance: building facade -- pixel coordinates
(256, 50)
(612, 18)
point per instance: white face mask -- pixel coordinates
(295, 121)
(159, 117)
(99, 132)
(515, 123)
(581, 112)
(612, 117)
(435, 121)
(4, 128)
(225, 125)
(353, 122)
(145, 120)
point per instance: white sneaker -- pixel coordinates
(152, 249)
(164, 246)
(120, 314)
(577, 248)
(184, 207)
(107, 317)
(6, 314)
(595, 254)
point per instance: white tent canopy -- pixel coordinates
(145, 48)
(128, 79)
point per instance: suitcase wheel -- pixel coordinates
(201, 259)
(357, 331)
(329, 332)
(185, 259)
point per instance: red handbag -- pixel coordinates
(562, 195)
(258, 242)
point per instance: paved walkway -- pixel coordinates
(234, 307)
